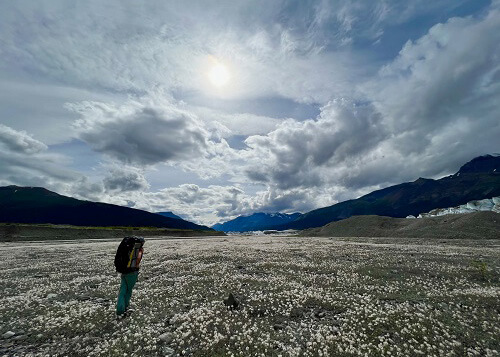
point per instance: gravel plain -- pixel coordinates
(293, 296)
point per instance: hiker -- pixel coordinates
(127, 260)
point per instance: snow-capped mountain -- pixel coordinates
(255, 222)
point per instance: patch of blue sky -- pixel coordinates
(395, 35)
(82, 158)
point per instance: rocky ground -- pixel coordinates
(254, 296)
(477, 225)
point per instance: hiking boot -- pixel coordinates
(121, 316)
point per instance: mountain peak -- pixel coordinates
(256, 222)
(482, 164)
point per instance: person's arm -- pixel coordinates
(139, 256)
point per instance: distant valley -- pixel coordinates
(256, 222)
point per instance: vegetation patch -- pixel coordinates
(290, 297)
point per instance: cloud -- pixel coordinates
(171, 46)
(38, 107)
(143, 134)
(125, 179)
(213, 204)
(417, 118)
(296, 153)
(440, 97)
(441, 75)
(236, 123)
(20, 141)
(424, 113)
(26, 161)
(200, 204)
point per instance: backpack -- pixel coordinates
(128, 255)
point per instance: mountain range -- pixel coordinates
(255, 222)
(477, 179)
(39, 205)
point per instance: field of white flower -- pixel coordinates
(297, 297)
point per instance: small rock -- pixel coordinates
(278, 327)
(51, 296)
(231, 302)
(8, 345)
(296, 312)
(167, 337)
(39, 335)
(335, 322)
(20, 337)
(168, 351)
(320, 314)
(8, 334)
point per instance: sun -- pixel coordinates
(219, 75)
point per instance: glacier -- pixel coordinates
(487, 204)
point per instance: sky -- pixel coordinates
(215, 109)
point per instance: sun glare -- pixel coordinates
(219, 75)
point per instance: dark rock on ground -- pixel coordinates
(8, 334)
(231, 302)
(278, 327)
(296, 312)
(166, 337)
(319, 314)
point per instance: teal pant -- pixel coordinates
(128, 282)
